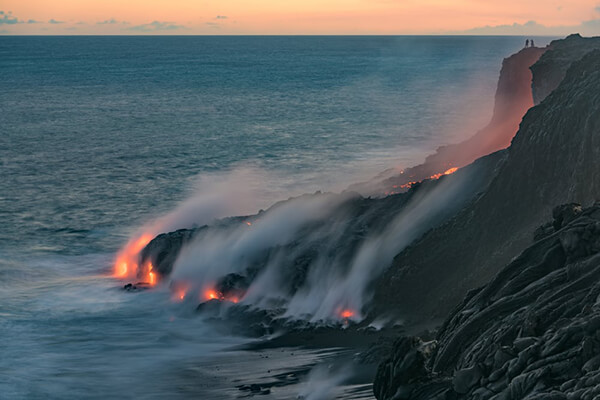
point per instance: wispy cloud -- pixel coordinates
(221, 17)
(53, 21)
(112, 21)
(33, 21)
(156, 26)
(586, 28)
(6, 18)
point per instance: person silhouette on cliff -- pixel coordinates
(527, 43)
(532, 45)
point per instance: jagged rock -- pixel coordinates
(564, 214)
(553, 159)
(466, 378)
(551, 68)
(490, 348)
(397, 379)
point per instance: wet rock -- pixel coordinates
(543, 306)
(466, 378)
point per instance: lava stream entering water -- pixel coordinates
(127, 262)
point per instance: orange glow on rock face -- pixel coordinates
(126, 264)
(248, 223)
(410, 184)
(151, 275)
(212, 294)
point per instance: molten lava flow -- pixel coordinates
(212, 294)
(126, 264)
(347, 314)
(451, 171)
(151, 275)
(410, 184)
(248, 223)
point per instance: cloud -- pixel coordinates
(53, 21)
(597, 9)
(111, 21)
(33, 21)
(108, 22)
(156, 26)
(213, 24)
(586, 28)
(7, 18)
(221, 17)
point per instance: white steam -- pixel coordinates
(322, 382)
(311, 258)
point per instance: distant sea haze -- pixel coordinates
(101, 135)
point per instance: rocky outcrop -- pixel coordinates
(532, 333)
(551, 68)
(553, 159)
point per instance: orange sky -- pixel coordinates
(299, 16)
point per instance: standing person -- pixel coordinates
(532, 45)
(527, 43)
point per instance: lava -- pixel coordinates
(212, 294)
(347, 314)
(151, 275)
(126, 264)
(410, 184)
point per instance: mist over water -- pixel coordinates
(103, 136)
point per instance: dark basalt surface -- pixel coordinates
(532, 333)
(551, 68)
(553, 159)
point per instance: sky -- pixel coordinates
(338, 17)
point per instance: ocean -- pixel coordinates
(101, 135)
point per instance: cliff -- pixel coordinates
(512, 99)
(532, 333)
(551, 68)
(553, 159)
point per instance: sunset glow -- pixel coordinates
(298, 17)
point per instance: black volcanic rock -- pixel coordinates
(553, 159)
(533, 332)
(551, 68)
(164, 248)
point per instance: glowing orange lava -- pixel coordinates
(151, 275)
(126, 264)
(248, 223)
(211, 294)
(347, 314)
(179, 295)
(410, 184)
